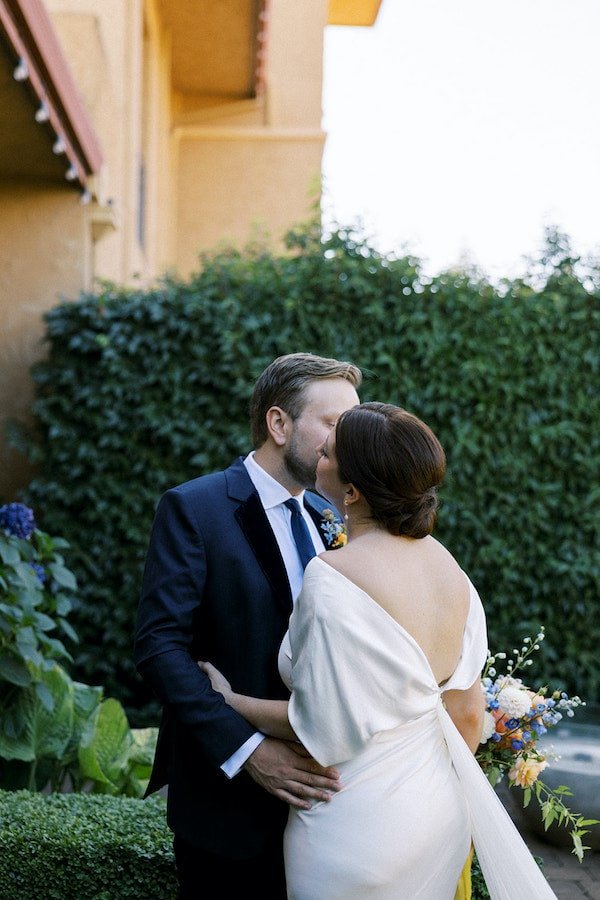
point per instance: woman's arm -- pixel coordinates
(466, 709)
(268, 716)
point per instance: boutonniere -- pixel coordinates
(336, 534)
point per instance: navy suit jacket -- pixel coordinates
(214, 587)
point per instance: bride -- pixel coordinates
(383, 658)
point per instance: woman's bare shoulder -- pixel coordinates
(335, 558)
(443, 556)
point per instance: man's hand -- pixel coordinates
(286, 770)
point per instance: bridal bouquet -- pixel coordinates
(516, 717)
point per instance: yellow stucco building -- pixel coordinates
(136, 133)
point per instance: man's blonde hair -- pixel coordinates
(283, 383)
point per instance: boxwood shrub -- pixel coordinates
(84, 847)
(143, 389)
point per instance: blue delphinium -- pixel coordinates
(17, 519)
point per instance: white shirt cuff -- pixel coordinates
(235, 762)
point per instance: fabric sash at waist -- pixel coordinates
(503, 855)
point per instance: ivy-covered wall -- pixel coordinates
(145, 389)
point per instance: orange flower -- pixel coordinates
(525, 771)
(500, 720)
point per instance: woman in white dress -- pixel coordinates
(383, 658)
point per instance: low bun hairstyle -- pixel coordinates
(395, 461)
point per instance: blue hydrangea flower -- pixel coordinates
(512, 723)
(517, 745)
(17, 519)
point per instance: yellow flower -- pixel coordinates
(340, 540)
(525, 771)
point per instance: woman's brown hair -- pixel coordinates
(395, 461)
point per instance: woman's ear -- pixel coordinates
(351, 494)
(277, 421)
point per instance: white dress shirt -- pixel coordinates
(273, 495)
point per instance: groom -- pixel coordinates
(224, 565)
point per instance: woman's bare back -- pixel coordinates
(419, 584)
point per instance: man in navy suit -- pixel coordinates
(222, 571)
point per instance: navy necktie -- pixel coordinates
(300, 532)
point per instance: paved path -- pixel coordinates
(568, 878)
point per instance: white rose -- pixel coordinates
(489, 727)
(514, 702)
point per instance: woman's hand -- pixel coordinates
(217, 679)
(268, 716)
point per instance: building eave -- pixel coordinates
(39, 64)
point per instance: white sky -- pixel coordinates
(460, 129)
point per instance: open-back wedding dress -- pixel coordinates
(365, 699)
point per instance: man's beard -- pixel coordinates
(302, 471)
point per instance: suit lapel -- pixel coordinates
(253, 521)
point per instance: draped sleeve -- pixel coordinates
(347, 683)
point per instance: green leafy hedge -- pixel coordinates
(144, 389)
(82, 847)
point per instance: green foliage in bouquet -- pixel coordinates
(60, 846)
(142, 389)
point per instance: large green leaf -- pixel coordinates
(8, 552)
(42, 733)
(52, 729)
(15, 671)
(144, 746)
(86, 700)
(45, 695)
(141, 757)
(63, 576)
(28, 579)
(105, 745)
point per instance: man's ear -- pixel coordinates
(278, 425)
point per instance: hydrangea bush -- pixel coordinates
(36, 596)
(54, 732)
